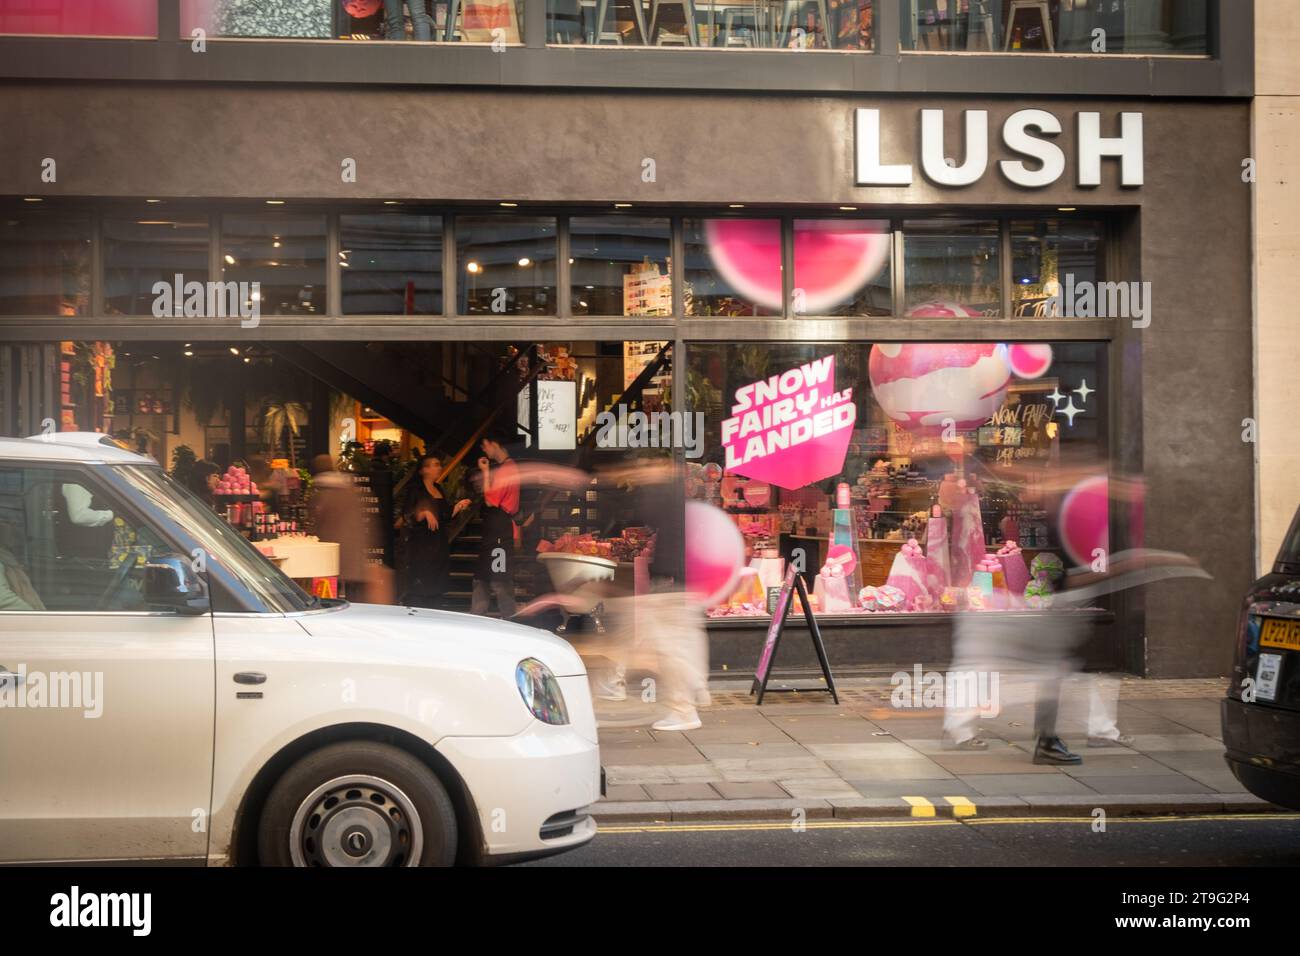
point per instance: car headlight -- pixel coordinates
(541, 692)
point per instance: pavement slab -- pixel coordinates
(681, 791)
(806, 757)
(1018, 784)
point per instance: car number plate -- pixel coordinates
(1266, 674)
(1280, 633)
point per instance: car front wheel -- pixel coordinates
(358, 804)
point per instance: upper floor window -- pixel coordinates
(79, 18)
(723, 24)
(1056, 26)
(44, 258)
(469, 21)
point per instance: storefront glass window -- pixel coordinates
(285, 252)
(1049, 257)
(505, 265)
(951, 268)
(719, 24)
(140, 252)
(79, 18)
(733, 266)
(424, 20)
(391, 264)
(1005, 439)
(44, 260)
(620, 265)
(1056, 26)
(841, 267)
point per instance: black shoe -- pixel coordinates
(1052, 750)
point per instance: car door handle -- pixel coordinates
(250, 677)
(6, 675)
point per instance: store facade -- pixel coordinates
(1068, 279)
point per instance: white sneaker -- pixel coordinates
(616, 691)
(689, 721)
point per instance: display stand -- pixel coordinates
(688, 16)
(1022, 15)
(793, 581)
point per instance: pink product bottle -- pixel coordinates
(967, 547)
(936, 547)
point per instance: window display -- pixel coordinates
(796, 25)
(1057, 26)
(733, 267)
(951, 268)
(139, 252)
(79, 18)
(620, 265)
(391, 264)
(841, 267)
(1043, 253)
(44, 260)
(506, 265)
(905, 477)
(282, 251)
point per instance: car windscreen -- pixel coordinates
(223, 544)
(1290, 552)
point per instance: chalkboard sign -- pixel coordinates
(780, 612)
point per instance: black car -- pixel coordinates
(1261, 714)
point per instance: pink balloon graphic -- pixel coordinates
(922, 385)
(942, 310)
(715, 553)
(1085, 519)
(833, 258)
(1030, 360)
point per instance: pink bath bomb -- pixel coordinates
(715, 553)
(1030, 360)
(922, 385)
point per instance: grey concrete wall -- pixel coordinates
(1191, 370)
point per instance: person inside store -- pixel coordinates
(494, 572)
(423, 553)
(338, 515)
(203, 479)
(262, 475)
(395, 26)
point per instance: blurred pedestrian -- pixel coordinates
(498, 478)
(338, 515)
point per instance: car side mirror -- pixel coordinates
(170, 581)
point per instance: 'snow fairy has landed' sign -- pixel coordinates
(791, 429)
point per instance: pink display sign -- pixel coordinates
(84, 18)
(791, 429)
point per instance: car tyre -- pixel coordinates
(357, 803)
